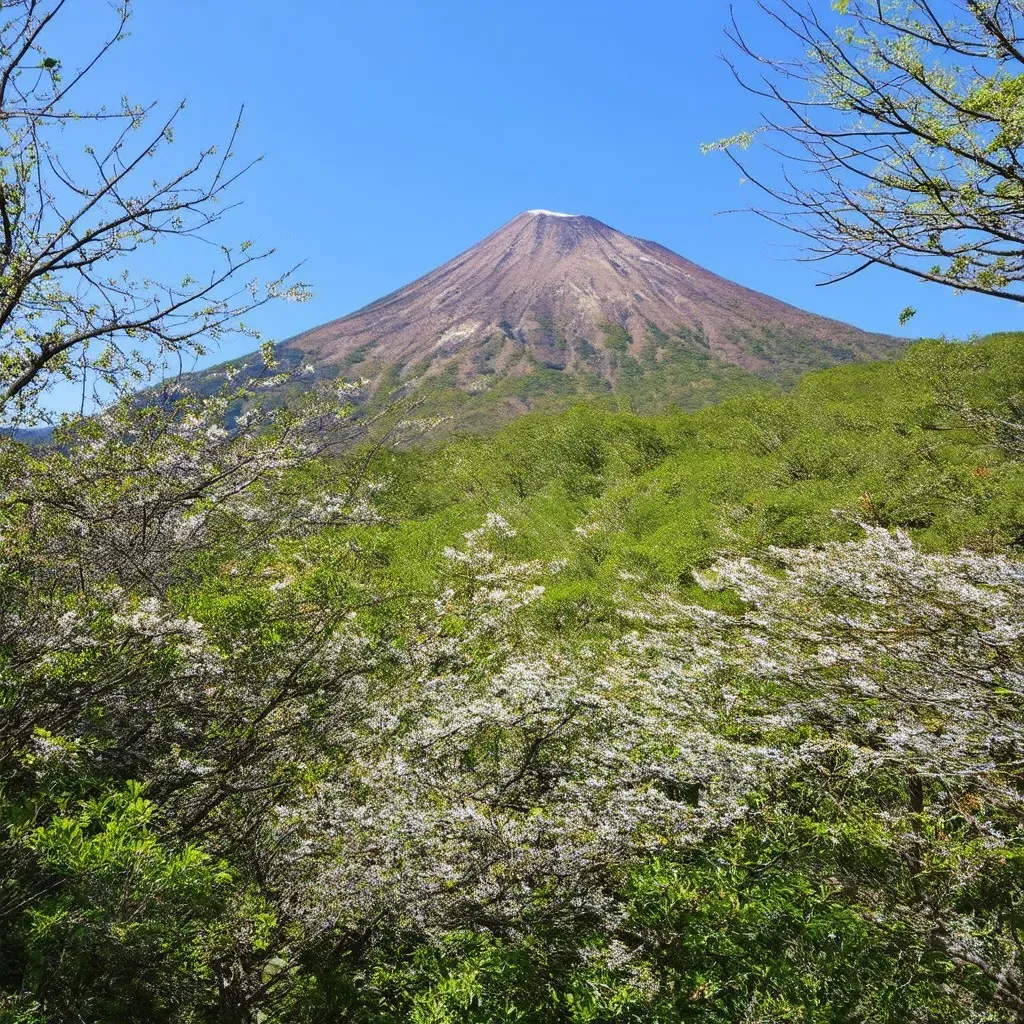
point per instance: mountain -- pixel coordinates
(553, 307)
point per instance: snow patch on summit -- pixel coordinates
(550, 213)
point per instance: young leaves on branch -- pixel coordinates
(900, 130)
(85, 192)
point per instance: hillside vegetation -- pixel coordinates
(707, 717)
(891, 444)
(647, 376)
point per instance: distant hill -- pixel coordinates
(553, 308)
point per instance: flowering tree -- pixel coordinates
(503, 789)
(109, 679)
(894, 678)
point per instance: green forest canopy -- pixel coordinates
(710, 716)
(883, 443)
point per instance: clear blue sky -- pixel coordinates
(397, 133)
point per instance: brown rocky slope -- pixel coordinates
(568, 293)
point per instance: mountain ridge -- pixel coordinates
(570, 293)
(556, 309)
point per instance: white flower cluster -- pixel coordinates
(501, 781)
(503, 787)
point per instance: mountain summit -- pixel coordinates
(568, 293)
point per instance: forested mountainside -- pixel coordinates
(657, 496)
(704, 717)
